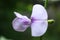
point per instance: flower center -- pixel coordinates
(26, 23)
(33, 19)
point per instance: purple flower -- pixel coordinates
(38, 21)
(20, 23)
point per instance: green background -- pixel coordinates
(7, 7)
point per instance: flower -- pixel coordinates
(20, 23)
(38, 21)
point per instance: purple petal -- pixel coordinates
(18, 24)
(18, 15)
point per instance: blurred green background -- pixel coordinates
(7, 7)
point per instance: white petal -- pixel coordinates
(19, 25)
(38, 28)
(39, 12)
(39, 23)
(18, 14)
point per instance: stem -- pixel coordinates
(41, 37)
(51, 21)
(35, 38)
(45, 4)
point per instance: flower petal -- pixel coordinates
(39, 12)
(18, 15)
(19, 25)
(39, 22)
(38, 28)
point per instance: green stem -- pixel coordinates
(45, 4)
(51, 21)
(35, 38)
(41, 37)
